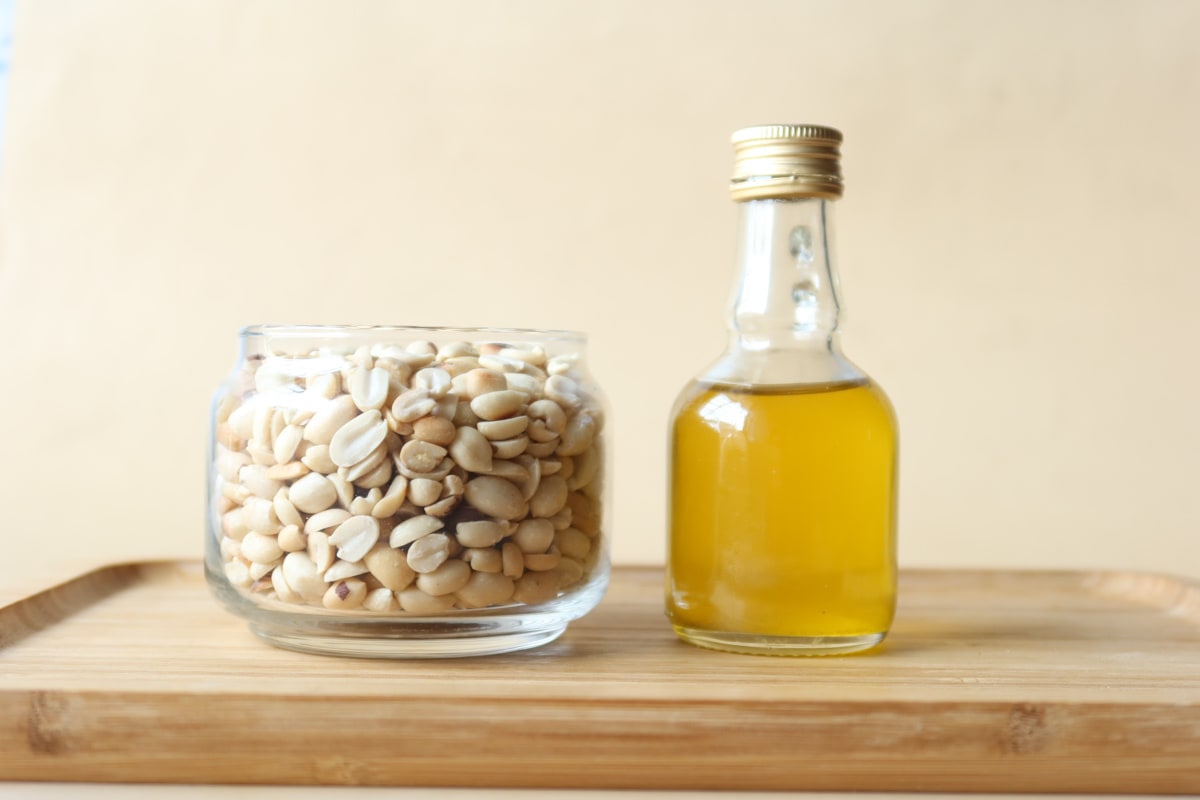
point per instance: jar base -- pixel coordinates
(406, 647)
(766, 645)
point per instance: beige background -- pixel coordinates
(1017, 241)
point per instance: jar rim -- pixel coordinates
(282, 330)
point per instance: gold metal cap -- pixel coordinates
(780, 161)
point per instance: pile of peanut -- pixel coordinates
(418, 479)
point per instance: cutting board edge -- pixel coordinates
(667, 744)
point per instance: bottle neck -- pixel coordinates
(786, 296)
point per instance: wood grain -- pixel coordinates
(991, 681)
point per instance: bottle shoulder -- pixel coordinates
(815, 366)
(784, 373)
(760, 409)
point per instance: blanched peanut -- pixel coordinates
(372, 460)
(261, 549)
(429, 552)
(241, 421)
(329, 419)
(479, 533)
(552, 417)
(509, 470)
(535, 536)
(536, 587)
(483, 559)
(259, 571)
(325, 384)
(541, 449)
(510, 448)
(567, 467)
(360, 505)
(413, 528)
(286, 443)
(238, 574)
(527, 385)
(438, 430)
(508, 428)
(343, 489)
(320, 551)
(563, 391)
(573, 543)
(345, 595)
(378, 476)
(369, 388)
(412, 405)
(356, 440)
(291, 539)
(303, 576)
(471, 450)
(420, 456)
(396, 494)
(542, 562)
(316, 458)
(496, 497)
(414, 601)
(532, 355)
(550, 497)
(434, 380)
(562, 364)
(533, 470)
(578, 435)
(457, 350)
(282, 590)
(587, 465)
(344, 569)
(254, 477)
(500, 363)
(449, 577)
(423, 492)
(512, 561)
(443, 507)
(323, 520)
(561, 520)
(497, 405)
(569, 572)
(426, 350)
(485, 589)
(228, 463)
(233, 524)
(312, 493)
(285, 511)
(355, 537)
(482, 381)
(259, 515)
(380, 600)
(389, 566)
(585, 513)
(287, 472)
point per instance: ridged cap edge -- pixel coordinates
(786, 161)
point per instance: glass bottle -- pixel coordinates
(782, 509)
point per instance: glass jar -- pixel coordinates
(782, 533)
(408, 492)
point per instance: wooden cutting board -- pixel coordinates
(991, 681)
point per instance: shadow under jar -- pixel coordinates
(408, 492)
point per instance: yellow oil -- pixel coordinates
(783, 511)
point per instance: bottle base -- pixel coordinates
(766, 645)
